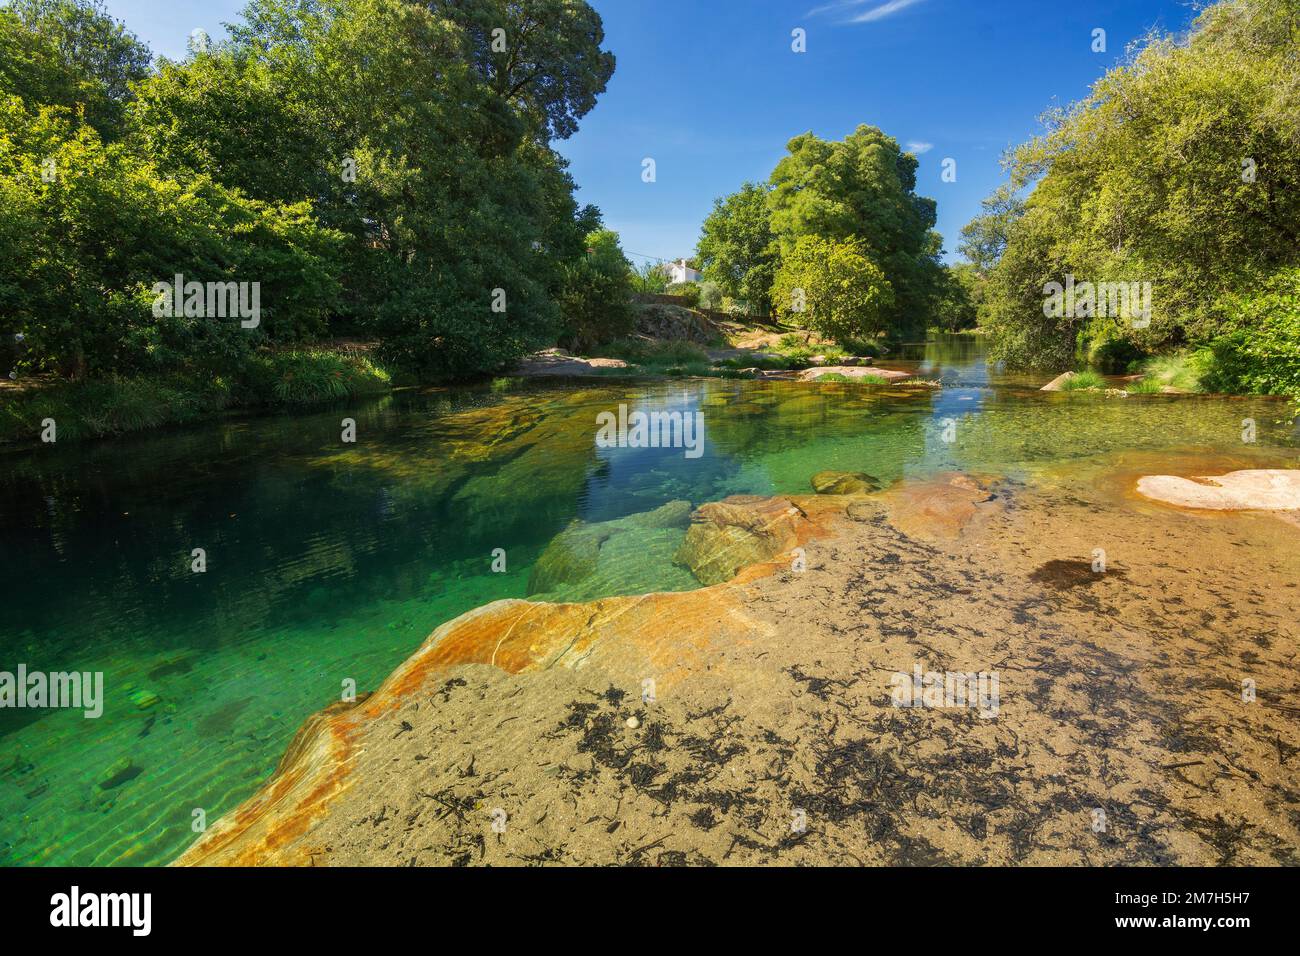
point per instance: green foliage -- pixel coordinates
(1086, 380)
(649, 279)
(641, 351)
(710, 296)
(1259, 349)
(689, 292)
(1144, 386)
(960, 291)
(738, 249)
(1178, 170)
(861, 193)
(311, 376)
(843, 293)
(115, 404)
(70, 53)
(373, 164)
(80, 253)
(596, 298)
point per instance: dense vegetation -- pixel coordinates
(381, 168)
(837, 240)
(1179, 170)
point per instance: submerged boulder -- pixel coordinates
(854, 372)
(736, 532)
(938, 508)
(844, 483)
(577, 553)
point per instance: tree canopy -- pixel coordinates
(857, 199)
(1178, 170)
(380, 166)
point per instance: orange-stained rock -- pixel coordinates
(667, 634)
(736, 532)
(940, 508)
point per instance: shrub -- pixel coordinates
(1082, 381)
(710, 296)
(689, 291)
(1145, 386)
(1260, 352)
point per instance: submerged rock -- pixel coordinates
(119, 773)
(939, 508)
(669, 635)
(844, 483)
(1264, 489)
(854, 372)
(728, 535)
(577, 553)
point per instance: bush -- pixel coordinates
(688, 291)
(655, 352)
(116, 404)
(1145, 386)
(1083, 381)
(833, 288)
(710, 296)
(1260, 352)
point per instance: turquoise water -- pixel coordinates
(330, 562)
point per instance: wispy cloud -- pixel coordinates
(918, 147)
(866, 16)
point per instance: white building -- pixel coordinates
(679, 271)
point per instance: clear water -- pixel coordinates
(330, 562)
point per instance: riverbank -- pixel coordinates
(330, 562)
(118, 405)
(755, 721)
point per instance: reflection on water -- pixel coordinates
(330, 562)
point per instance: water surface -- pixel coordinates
(329, 563)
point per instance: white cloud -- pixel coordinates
(880, 12)
(916, 146)
(837, 5)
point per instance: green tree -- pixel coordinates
(596, 299)
(833, 288)
(81, 250)
(70, 53)
(863, 190)
(1178, 170)
(418, 140)
(738, 249)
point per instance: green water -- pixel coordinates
(330, 562)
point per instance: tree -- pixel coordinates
(80, 252)
(738, 249)
(70, 53)
(416, 137)
(833, 288)
(862, 190)
(962, 290)
(1178, 171)
(984, 238)
(596, 301)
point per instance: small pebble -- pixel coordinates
(633, 723)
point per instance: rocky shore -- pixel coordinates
(751, 720)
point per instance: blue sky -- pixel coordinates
(712, 91)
